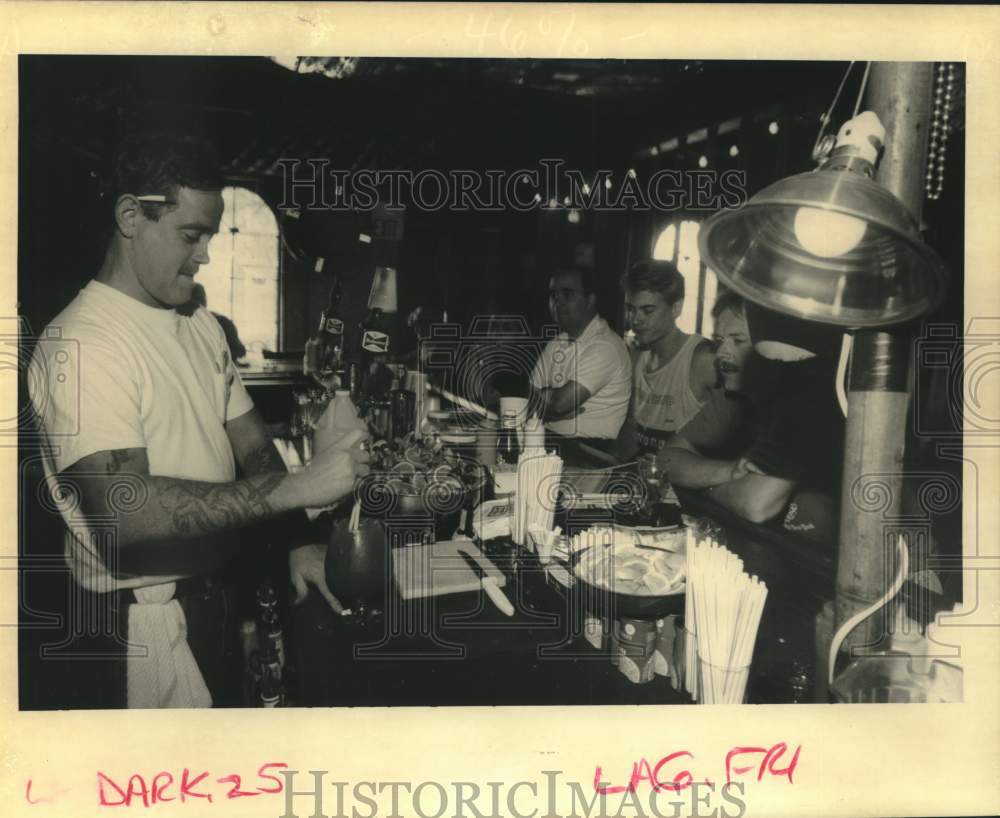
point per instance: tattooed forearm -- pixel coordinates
(116, 485)
(201, 508)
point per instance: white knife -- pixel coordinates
(489, 585)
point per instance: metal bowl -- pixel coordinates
(607, 602)
(602, 602)
(409, 514)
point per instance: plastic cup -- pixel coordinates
(688, 668)
(721, 685)
(519, 406)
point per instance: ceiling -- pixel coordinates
(401, 113)
(412, 113)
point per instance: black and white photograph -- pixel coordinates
(350, 382)
(583, 322)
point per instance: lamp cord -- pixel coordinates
(846, 345)
(824, 120)
(861, 90)
(819, 153)
(885, 599)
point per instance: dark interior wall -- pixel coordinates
(414, 115)
(411, 114)
(468, 264)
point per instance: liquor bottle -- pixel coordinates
(378, 332)
(274, 640)
(269, 633)
(331, 332)
(508, 446)
(269, 689)
(402, 402)
(267, 600)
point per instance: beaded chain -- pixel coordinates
(944, 85)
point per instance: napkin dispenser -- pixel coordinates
(492, 518)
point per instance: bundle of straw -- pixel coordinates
(724, 606)
(536, 473)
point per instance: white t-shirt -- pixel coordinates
(113, 373)
(599, 361)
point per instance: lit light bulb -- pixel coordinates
(827, 234)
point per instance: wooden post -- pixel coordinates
(878, 392)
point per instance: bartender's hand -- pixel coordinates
(331, 474)
(307, 566)
(337, 441)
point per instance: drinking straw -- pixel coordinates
(533, 471)
(464, 403)
(689, 623)
(723, 609)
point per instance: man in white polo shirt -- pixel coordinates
(583, 378)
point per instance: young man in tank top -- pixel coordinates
(674, 378)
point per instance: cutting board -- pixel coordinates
(438, 569)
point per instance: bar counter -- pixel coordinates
(475, 656)
(471, 654)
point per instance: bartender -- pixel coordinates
(147, 397)
(582, 379)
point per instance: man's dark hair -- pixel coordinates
(158, 163)
(656, 277)
(728, 300)
(585, 274)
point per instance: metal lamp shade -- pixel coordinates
(888, 277)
